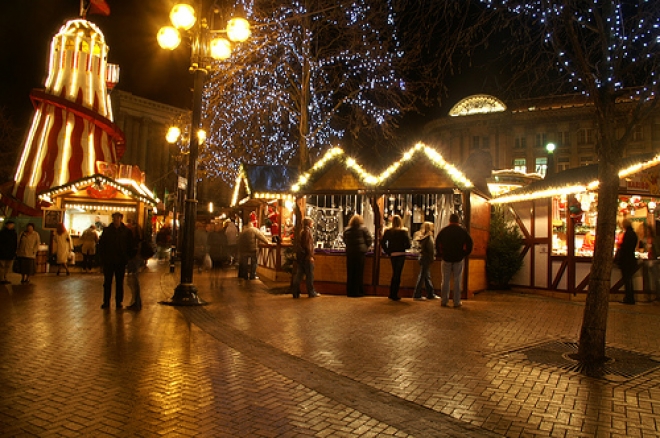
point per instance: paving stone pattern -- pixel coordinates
(254, 363)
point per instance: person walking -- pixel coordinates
(426, 257)
(164, 242)
(395, 242)
(358, 240)
(652, 247)
(63, 247)
(217, 242)
(134, 265)
(248, 247)
(625, 258)
(28, 245)
(201, 245)
(452, 245)
(8, 247)
(305, 258)
(231, 231)
(88, 241)
(116, 249)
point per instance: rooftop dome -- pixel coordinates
(477, 104)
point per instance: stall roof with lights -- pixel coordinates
(100, 187)
(576, 180)
(335, 172)
(423, 168)
(263, 182)
(419, 168)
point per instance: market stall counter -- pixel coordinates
(421, 187)
(558, 217)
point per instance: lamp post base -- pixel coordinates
(185, 295)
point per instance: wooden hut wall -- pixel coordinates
(479, 228)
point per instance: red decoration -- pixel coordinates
(108, 192)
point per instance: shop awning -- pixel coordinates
(102, 187)
(576, 180)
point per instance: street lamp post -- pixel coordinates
(550, 147)
(206, 46)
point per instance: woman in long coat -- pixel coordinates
(63, 246)
(89, 240)
(28, 245)
(358, 240)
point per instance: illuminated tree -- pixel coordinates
(316, 73)
(610, 51)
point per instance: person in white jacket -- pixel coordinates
(63, 247)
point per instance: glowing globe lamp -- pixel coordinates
(172, 134)
(220, 48)
(168, 38)
(238, 29)
(183, 16)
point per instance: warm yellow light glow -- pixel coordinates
(168, 38)
(66, 152)
(238, 29)
(555, 191)
(210, 207)
(201, 136)
(183, 16)
(550, 147)
(173, 134)
(220, 48)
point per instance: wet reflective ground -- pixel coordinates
(252, 363)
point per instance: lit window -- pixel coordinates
(520, 165)
(541, 165)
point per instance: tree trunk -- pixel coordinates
(609, 152)
(594, 323)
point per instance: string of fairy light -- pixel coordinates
(255, 103)
(337, 154)
(631, 31)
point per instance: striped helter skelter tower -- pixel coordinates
(72, 126)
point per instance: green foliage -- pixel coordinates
(503, 257)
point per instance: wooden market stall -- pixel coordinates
(558, 215)
(419, 187)
(93, 199)
(262, 195)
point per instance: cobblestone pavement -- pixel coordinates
(254, 363)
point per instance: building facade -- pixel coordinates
(517, 133)
(145, 124)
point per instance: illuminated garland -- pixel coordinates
(374, 181)
(573, 189)
(134, 190)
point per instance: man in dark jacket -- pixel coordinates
(452, 245)
(305, 258)
(116, 248)
(625, 258)
(8, 246)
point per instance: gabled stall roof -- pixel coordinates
(263, 181)
(337, 172)
(576, 180)
(127, 187)
(422, 167)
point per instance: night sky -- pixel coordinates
(26, 30)
(27, 27)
